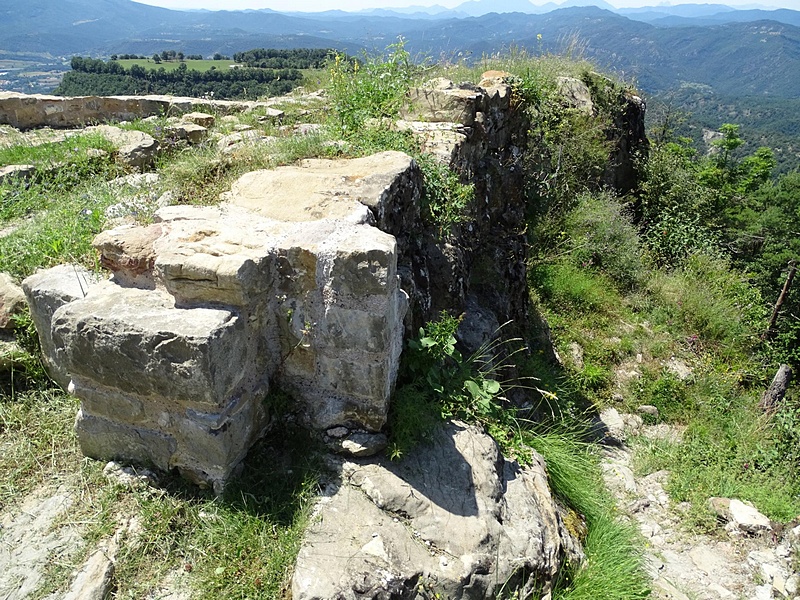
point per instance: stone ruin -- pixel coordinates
(305, 277)
(287, 281)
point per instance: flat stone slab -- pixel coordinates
(317, 189)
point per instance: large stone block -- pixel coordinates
(104, 439)
(360, 262)
(135, 340)
(442, 101)
(46, 292)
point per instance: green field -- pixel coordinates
(171, 65)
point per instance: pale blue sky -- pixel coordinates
(352, 5)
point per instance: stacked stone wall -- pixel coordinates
(307, 277)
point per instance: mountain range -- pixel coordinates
(736, 52)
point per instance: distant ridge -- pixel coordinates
(734, 51)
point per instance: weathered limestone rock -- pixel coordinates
(95, 580)
(171, 359)
(609, 426)
(382, 189)
(33, 536)
(199, 118)
(47, 291)
(159, 385)
(442, 101)
(137, 150)
(12, 301)
(191, 132)
(740, 516)
(453, 518)
(575, 94)
(234, 141)
(323, 297)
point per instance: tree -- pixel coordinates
(156, 59)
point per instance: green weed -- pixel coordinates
(373, 87)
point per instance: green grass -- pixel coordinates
(242, 544)
(706, 315)
(613, 568)
(60, 231)
(36, 440)
(70, 150)
(172, 65)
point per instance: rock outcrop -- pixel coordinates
(454, 519)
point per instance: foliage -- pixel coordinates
(602, 237)
(373, 87)
(674, 209)
(441, 383)
(692, 111)
(614, 558)
(445, 198)
(97, 77)
(293, 58)
(690, 204)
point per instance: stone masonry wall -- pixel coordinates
(25, 111)
(307, 277)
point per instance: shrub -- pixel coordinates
(604, 238)
(709, 299)
(373, 87)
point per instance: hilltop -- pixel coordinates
(639, 320)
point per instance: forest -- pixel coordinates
(296, 58)
(91, 76)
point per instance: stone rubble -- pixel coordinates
(748, 562)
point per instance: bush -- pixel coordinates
(712, 301)
(374, 87)
(604, 238)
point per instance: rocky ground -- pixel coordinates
(746, 558)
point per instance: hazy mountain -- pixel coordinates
(758, 58)
(790, 17)
(680, 10)
(477, 8)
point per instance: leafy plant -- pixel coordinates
(374, 86)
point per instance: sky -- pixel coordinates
(354, 5)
